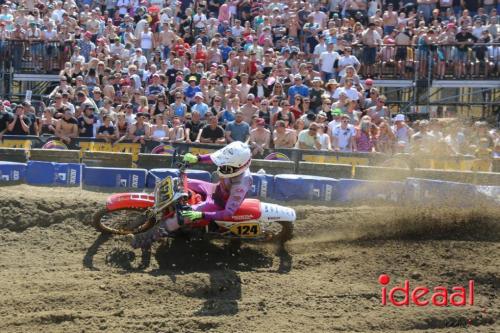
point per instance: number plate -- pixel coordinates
(246, 229)
(166, 190)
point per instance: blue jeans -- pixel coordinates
(328, 76)
(427, 10)
(166, 52)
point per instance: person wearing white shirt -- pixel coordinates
(346, 60)
(199, 20)
(139, 58)
(58, 13)
(123, 6)
(237, 29)
(318, 49)
(326, 62)
(348, 89)
(342, 136)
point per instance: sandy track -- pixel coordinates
(59, 275)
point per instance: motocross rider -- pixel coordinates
(222, 199)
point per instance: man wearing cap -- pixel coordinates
(327, 60)
(343, 135)
(154, 89)
(86, 121)
(199, 105)
(402, 131)
(20, 123)
(191, 90)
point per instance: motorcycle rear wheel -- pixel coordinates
(122, 221)
(282, 232)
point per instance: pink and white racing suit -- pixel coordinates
(224, 198)
(221, 200)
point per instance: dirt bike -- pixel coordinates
(132, 213)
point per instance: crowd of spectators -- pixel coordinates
(274, 73)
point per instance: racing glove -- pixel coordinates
(190, 158)
(191, 215)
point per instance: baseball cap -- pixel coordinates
(399, 117)
(198, 94)
(336, 112)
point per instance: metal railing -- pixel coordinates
(34, 55)
(445, 61)
(437, 61)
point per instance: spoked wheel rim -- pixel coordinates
(123, 221)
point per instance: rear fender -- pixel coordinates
(130, 200)
(275, 213)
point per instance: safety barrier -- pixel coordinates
(488, 194)
(53, 174)
(325, 169)
(263, 186)
(381, 173)
(366, 191)
(303, 187)
(55, 155)
(272, 167)
(12, 172)
(281, 187)
(487, 178)
(107, 159)
(152, 161)
(496, 165)
(116, 178)
(440, 193)
(13, 155)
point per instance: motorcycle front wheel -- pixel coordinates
(122, 221)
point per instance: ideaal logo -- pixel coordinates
(423, 296)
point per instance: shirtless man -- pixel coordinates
(260, 138)
(283, 137)
(249, 109)
(390, 19)
(67, 127)
(167, 38)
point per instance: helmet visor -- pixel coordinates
(227, 169)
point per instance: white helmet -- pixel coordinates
(232, 160)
